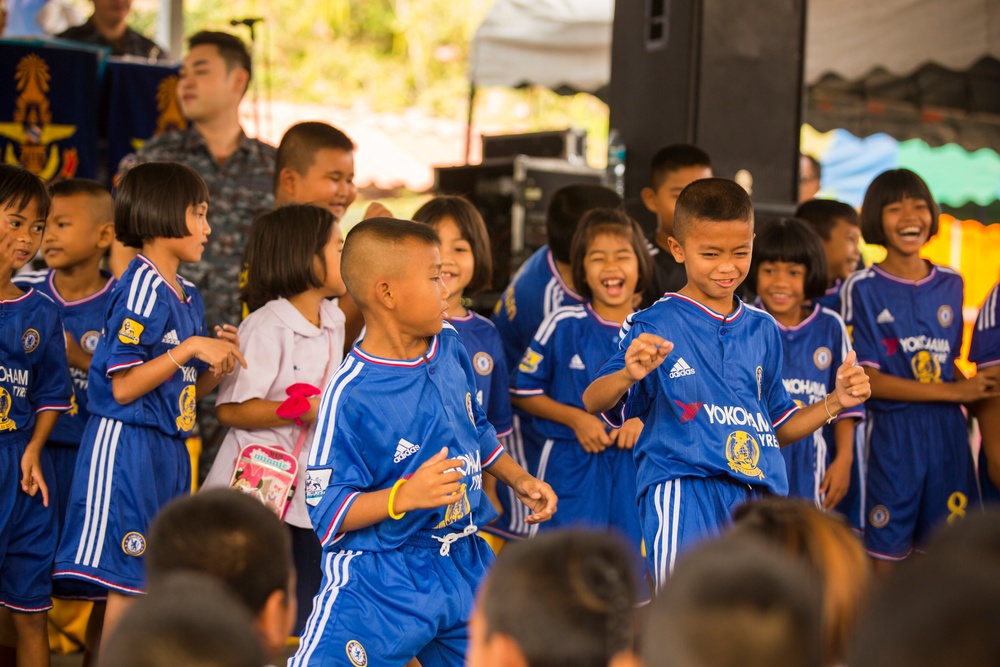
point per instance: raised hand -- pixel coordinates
(853, 387)
(645, 354)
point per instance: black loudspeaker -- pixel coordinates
(723, 75)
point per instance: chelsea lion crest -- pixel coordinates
(483, 363)
(356, 653)
(822, 357)
(134, 544)
(945, 315)
(88, 341)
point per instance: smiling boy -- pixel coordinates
(703, 372)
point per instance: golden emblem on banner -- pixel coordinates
(32, 128)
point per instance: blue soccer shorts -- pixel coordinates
(28, 534)
(124, 475)
(679, 514)
(386, 608)
(920, 474)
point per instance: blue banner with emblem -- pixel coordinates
(49, 100)
(141, 102)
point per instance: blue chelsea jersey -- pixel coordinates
(909, 329)
(146, 318)
(813, 351)
(482, 342)
(33, 366)
(985, 349)
(713, 405)
(381, 419)
(83, 319)
(534, 292)
(569, 348)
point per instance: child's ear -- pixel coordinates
(105, 235)
(649, 199)
(275, 621)
(625, 658)
(505, 652)
(676, 249)
(385, 295)
(287, 182)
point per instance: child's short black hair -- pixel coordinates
(18, 187)
(566, 598)
(78, 186)
(608, 221)
(152, 199)
(793, 241)
(673, 158)
(565, 210)
(280, 252)
(191, 620)
(711, 200)
(231, 48)
(823, 215)
(300, 143)
(225, 534)
(473, 229)
(735, 602)
(364, 238)
(890, 187)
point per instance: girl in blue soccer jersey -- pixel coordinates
(905, 317)
(788, 274)
(152, 361)
(467, 267)
(589, 467)
(293, 338)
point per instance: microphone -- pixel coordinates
(248, 22)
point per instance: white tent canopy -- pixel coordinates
(567, 43)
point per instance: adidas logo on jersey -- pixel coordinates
(404, 449)
(576, 363)
(681, 369)
(885, 317)
(170, 338)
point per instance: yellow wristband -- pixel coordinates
(392, 497)
(825, 405)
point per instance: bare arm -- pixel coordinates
(988, 414)
(852, 389)
(32, 480)
(259, 413)
(892, 388)
(643, 356)
(535, 494)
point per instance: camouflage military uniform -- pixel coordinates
(239, 190)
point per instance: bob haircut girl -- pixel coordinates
(789, 273)
(293, 340)
(151, 362)
(906, 319)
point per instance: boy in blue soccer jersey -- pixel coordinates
(34, 388)
(394, 483)
(985, 352)
(703, 372)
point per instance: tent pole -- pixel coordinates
(468, 122)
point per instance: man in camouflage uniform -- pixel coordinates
(239, 172)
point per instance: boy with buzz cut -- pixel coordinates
(34, 388)
(673, 169)
(703, 372)
(839, 229)
(394, 483)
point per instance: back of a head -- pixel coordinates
(224, 534)
(823, 215)
(828, 548)
(231, 49)
(711, 200)
(191, 621)
(300, 143)
(674, 158)
(977, 535)
(567, 207)
(734, 602)
(941, 609)
(375, 246)
(565, 598)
